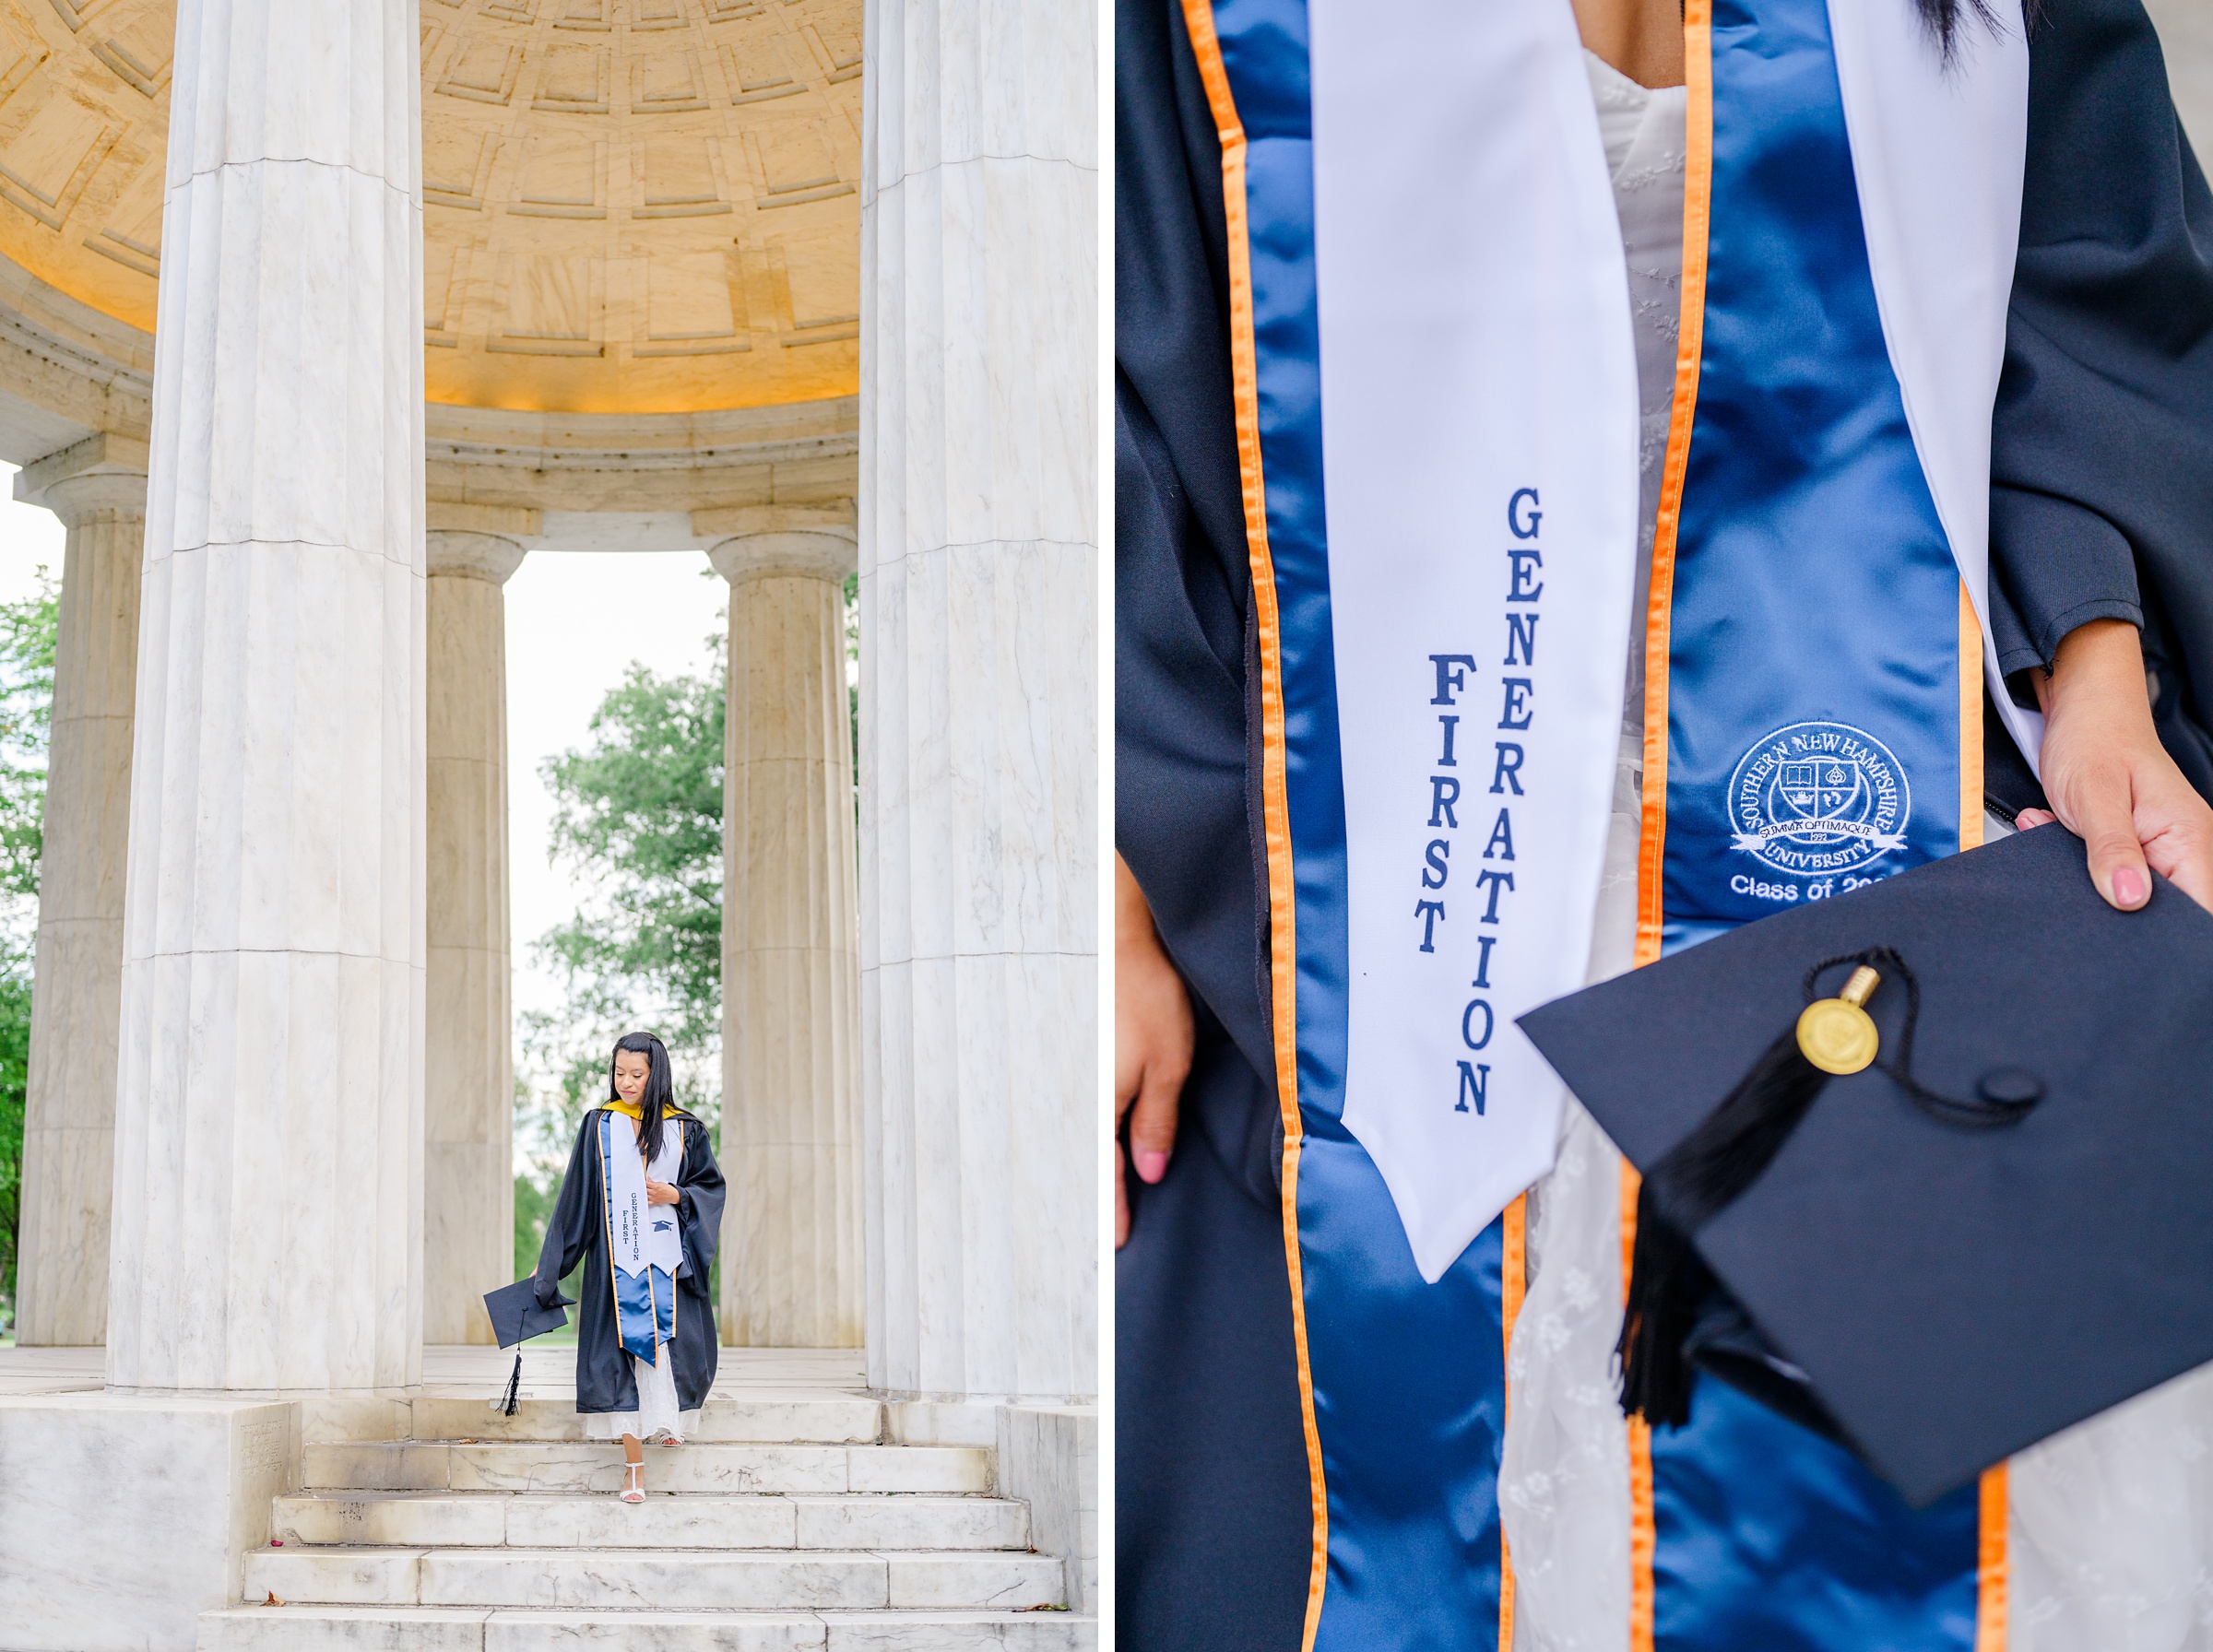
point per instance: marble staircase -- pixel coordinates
(789, 1525)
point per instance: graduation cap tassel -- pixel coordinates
(1707, 1170)
(515, 1387)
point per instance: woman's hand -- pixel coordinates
(661, 1193)
(2108, 777)
(1151, 1042)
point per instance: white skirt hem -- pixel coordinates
(656, 1417)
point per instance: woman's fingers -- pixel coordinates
(1152, 1120)
(2104, 811)
(1153, 1042)
(2177, 829)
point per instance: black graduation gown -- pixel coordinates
(2102, 505)
(2102, 452)
(577, 1232)
(1213, 1525)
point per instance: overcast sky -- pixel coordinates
(28, 537)
(575, 620)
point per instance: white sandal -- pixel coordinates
(634, 1489)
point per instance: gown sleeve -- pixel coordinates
(1188, 816)
(2101, 452)
(1184, 815)
(570, 1228)
(699, 1202)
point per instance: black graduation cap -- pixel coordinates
(516, 1316)
(1987, 1223)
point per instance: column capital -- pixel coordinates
(104, 472)
(463, 553)
(824, 552)
(511, 522)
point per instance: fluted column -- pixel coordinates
(268, 1230)
(978, 731)
(791, 1017)
(469, 1094)
(98, 488)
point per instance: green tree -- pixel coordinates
(852, 682)
(27, 640)
(638, 821)
(15, 1065)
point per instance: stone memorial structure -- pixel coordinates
(316, 318)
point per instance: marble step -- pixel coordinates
(799, 1419)
(451, 1629)
(654, 1579)
(554, 1465)
(580, 1520)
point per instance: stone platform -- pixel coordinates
(792, 1523)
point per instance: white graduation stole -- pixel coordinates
(642, 1235)
(1480, 464)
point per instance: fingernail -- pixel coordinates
(2130, 888)
(1151, 1164)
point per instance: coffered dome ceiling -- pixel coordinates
(630, 206)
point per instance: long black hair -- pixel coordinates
(1943, 18)
(659, 1100)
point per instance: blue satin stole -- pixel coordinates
(1408, 1379)
(1814, 741)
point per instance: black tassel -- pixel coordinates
(1706, 1172)
(1666, 1281)
(514, 1385)
(1699, 1177)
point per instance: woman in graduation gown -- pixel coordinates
(2099, 608)
(641, 1187)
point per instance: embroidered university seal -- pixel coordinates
(1819, 799)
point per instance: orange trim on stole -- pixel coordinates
(1697, 207)
(1698, 210)
(1991, 1562)
(1513, 1284)
(1199, 19)
(1644, 1531)
(1971, 724)
(1991, 1572)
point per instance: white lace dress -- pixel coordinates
(1564, 1486)
(2110, 1543)
(656, 1417)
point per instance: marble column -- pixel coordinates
(267, 1227)
(469, 1088)
(791, 1017)
(98, 488)
(978, 731)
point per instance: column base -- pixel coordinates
(1048, 1456)
(181, 1486)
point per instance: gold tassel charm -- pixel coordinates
(1837, 1034)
